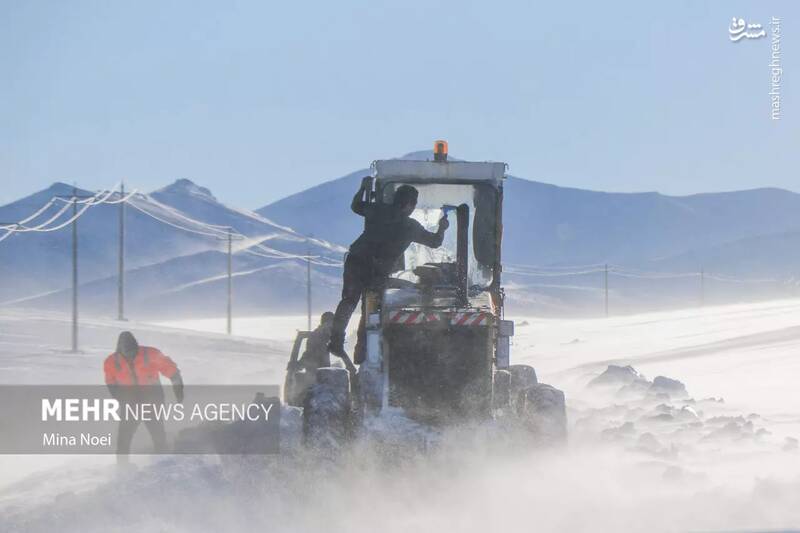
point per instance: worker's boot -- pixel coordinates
(360, 353)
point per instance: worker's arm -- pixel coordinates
(302, 362)
(316, 348)
(169, 370)
(430, 238)
(359, 203)
(110, 377)
(177, 386)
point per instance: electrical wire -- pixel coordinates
(122, 200)
(221, 229)
(654, 275)
(41, 210)
(541, 268)
(176, 226)
(552, 274)
(224, 232)
(213, 230)
(632, 273)
(44, 227)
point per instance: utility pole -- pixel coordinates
(230, 237)
(75, 270)
(74, 200)
(121, 270)
(308, 279)
(702, 287)
(605, 282)
(230, 283)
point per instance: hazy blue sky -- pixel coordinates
(257, 100)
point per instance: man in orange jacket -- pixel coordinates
(132, 376)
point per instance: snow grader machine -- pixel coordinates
(436, 343)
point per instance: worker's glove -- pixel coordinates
(443, 223)
(177, 386)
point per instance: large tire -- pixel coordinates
(501, 390)
(542, 409)
(523, 377)
(327, 411)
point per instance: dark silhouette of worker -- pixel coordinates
(132, 376)
(388, 231)
(303, 372)
(316, 354)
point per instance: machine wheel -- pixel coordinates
(501, 391)
(327, 411)
(522, 378)
(542, 409)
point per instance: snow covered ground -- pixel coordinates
(722, 459)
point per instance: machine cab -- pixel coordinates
(435, 333)
(465, 271)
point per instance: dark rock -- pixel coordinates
(663, 417)
(649, 443)
(616, 376)
(724, 419)
(713, 400)
(663, 408)
(616, 433)
(686, 414)
(733, 431)
(672, 387)
(635, 389)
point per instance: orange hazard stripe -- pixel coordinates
(470, 319)
(412, 317)
(463, 319)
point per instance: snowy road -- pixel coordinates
(712, 465)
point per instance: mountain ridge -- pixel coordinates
(736, 233)
(551, 224)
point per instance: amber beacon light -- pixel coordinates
(440, 150)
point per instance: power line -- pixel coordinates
(176, 226)
(121, 254)
(41, 210)
(219, 228)
(552, 274)
(69, 201)
(20, 227)
(74, 221)
(653, 275)
(546, 268)
(219, 231)
(727, 279)
(625, 272)
(605, 286)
